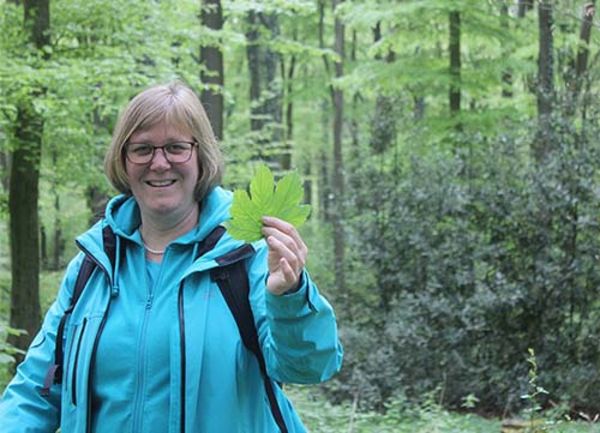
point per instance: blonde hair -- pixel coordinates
(177, 105)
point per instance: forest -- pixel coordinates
(448, 148)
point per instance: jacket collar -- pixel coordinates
(123, 216)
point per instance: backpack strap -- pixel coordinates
(55, 371)
(232, 279)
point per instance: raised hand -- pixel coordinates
(287, 255)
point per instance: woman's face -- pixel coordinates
(163, 189)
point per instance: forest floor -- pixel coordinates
(322, 417)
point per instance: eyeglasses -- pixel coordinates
(176, 153)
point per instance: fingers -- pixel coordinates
(289, 274)
(287, 234)
(287, 255)
(285, 249)
(282, 280)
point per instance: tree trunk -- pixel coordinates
(338, 161)
(24, 227)
(265, 89)
(5, 164)
(324, 169)
(325, 183)
(383, 129)
(286, 156)
(59, 242)
(96, 202)
(576, 81)
(211, 74)
(523, 7)
(288, 77)
(43, 247)
(543, 143)
(454, 49)
(507, 79)
(23, 195)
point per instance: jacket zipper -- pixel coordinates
(74, 373)
(137, 409)
(182, 355)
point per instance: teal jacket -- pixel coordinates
(222, 390)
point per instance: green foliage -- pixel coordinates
(473, 258)
(534, 394)
(7, 350)
(320, 416)
(266, 199)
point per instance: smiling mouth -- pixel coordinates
(160, 183)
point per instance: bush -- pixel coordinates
(472, 260)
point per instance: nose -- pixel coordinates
(159, 159)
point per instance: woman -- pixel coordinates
(151, 345)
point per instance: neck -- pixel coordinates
(157, 233)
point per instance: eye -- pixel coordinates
(140, 149)
(177, 148)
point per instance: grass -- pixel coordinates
(320, 416)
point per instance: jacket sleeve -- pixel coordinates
(297, 331)
(22, 408)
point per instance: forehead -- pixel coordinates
(161, 132)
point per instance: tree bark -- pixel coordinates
(523, 7)
(581, 62)
(507, 79)
(286, 157)
(59, 242)
(24, 192)
(25, 310)
(454, 49)
(544, 141)
(383, 130)
(211, 57)
(96, 202)
(5, 163)
(338, 161)
(265, 88)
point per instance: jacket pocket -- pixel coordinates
(75, 364)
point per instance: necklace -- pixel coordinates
(150, 250)
(147, 248)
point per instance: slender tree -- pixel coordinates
(454, 50)
(287, 76)
(383, 130)
(24, 191)
(211, 57)
(544, 141)
(523, 7)
(325, 192)
(338, 160)
(265, 87)
(581, 62)
(507, 78)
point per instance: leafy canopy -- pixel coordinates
(266, 199)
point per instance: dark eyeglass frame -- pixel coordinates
(162, 148)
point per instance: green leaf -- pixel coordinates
(261, 186)
(266, 199)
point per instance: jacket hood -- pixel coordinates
(122, 215)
